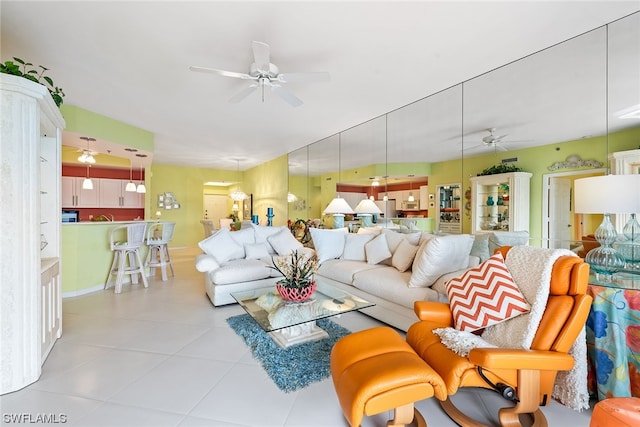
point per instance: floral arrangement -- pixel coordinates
(297, 270)
(300, 229)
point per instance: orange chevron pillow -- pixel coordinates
(485, 295)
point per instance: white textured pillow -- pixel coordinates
(256, 250)
(263, 232)
(329, 243)
(440, 255)
(221, 246)
(354, 246)
(394, 239)
(243, 237)
(283, 242)
(404, 255)
(377, 250)
(370, 230)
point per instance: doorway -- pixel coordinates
(561, 226)
(215, 208)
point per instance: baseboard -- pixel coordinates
(84, 291)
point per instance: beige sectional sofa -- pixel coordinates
(387, 267)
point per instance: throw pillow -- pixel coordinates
(394, 238)
(221, 246)
(404, 255)
(263, 232)
(354, 246)
(377, 250)
(480, 246)
(329, 243)
(256, 250)
(440, 255)
(283, 242)
(485, 295)
(243, 237)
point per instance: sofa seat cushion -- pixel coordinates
(342, 270)
(240, 270)
(390, 284)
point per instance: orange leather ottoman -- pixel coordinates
(619, 411)
(375, 370)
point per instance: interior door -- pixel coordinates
(559, 212)
(215, 207)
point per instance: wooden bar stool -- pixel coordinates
(126, 255)
(158, 237)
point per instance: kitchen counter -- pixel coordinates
(87, 255)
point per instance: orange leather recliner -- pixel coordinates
(531, 373)
(374, 371)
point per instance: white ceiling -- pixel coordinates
(129, 61)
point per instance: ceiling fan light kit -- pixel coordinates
(263, 74)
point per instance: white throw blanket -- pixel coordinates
(530, 268)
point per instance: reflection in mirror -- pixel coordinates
(363, 164)
(323, 166)
(298, 194)
(624, 100)
(423, 138)
(543, 113)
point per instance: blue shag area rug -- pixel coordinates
(295, 367)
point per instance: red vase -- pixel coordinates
(296, 294)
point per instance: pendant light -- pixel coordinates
(87, 184)
(411, 198)
(141, 188)
(238, 195)
(131, 186)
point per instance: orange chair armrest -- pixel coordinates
(508, 358)
(437, 312)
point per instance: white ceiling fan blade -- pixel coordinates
(285, 94)
(501, 136)
(243, 93)
(319, 76)
(261, 55)
(222, 72)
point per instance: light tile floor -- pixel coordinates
(164, 356)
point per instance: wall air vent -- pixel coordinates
(511, 160)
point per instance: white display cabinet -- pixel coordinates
(500, 202)
(30, 295)
(449, 209)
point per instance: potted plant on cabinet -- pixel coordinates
(26, 70)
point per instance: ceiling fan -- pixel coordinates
(262, 73)
(491, 141)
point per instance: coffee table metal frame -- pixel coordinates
(289, 323)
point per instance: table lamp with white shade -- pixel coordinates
(338, 208)
(366, 209)
(609, 194)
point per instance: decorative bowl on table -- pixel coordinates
(296, 294)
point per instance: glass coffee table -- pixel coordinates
(290, 323)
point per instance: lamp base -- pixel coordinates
(367, 220)
(338, 220)
(605, 261)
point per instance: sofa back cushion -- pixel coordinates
(329, 243)
(440, 255)
(221, 246)
(354, 245)
(283, 242)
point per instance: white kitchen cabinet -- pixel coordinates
(30, 135)
(113, 195)
(500, 202)
(424, 197)
(74, 196)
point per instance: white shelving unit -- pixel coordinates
(449, 208)
(500, 202)
(30, 295)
